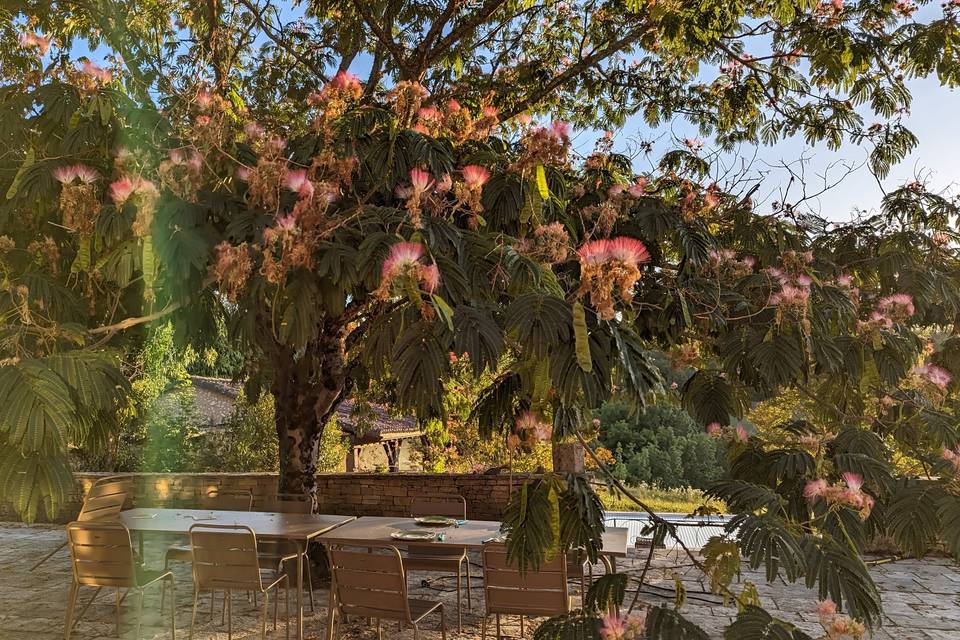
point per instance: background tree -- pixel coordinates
(350, 230)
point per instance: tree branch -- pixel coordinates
(274, 35)
(382, 35)
(575, 69)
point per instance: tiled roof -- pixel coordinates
(369, 423)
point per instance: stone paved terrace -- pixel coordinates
(921, 600)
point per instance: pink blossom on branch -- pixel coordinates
(298, 182)
(30, 40)
(475, 176)
(81, 172)
(420, 180)
(96, 72)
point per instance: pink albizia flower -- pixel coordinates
(854, 481)
(430, 114)
(612, 627)
(898, 306)
(298, 182)
(638, 188)
(814, 488)
(711, 199)
(524, 119)
(628, 250)
(453, 105)
(694, 144)
(286, 223)
(64, 174)
(513, 442)
(937, 376)
(561, 130)
(204, 98)
(345, 80)
(430, 278)
(615, 190)
(243, 173)
(30, 40)
(402, 255)
(253, 130)
(714, 429)
(826, 608)
(741, 434)
(402, 192)
(475, 176)
(85, 174)
(122, 189)
(420, 180)
(489, 111)
(96, 72)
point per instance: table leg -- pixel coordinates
(300, 552)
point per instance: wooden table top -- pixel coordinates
(472, 534)
(374, 529)
(289, 526)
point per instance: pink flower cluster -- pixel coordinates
(609, 265)
(953, 457)
(934, 375)
(83, 173)
(849, 493)
(530, 424)
(96, 72)
(30, 40)
(735, 434)
(725, 261)
(404, 267)
(838, 627)
(614, 627)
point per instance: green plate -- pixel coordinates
(413, 534)
(435, 521)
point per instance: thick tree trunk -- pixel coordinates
(307, 387)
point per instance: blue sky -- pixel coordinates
(934, 118)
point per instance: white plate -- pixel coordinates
(412, 534)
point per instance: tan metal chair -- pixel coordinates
(443, 559)
(214, 500)
(535, 594)
(102, 556)
(279, 552)
(225, 559)
(374, 585)
(104, 501)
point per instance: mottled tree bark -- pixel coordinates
(307, 388)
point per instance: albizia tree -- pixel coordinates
(354, 229)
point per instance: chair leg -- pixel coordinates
(521, 626)
(310, 588)
(379, 630)
(286, 600)
(276, 608)
(443, 624)
(48, 556)
(118, 611)
(140, 600)
(228, 602)
(193, 617)
(469, 599)
(71, 604)
(416, 632)
(459, 603)
(173, 606)
(263, 616)
(483, 627)
(498, 626)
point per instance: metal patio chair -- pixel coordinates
(374, 585)
(534, 594)
(102, 556)
(225, 559)
(443, 559)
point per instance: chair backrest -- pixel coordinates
(225, 557)
(101, 554)
(450, 506)
(370, 584)
(290, 503)
(220, 500)
(105, 500)
(535, 593)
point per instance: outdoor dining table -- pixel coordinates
(469, 534)
(299, 528)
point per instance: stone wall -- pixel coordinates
(371, 494)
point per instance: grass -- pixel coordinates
(660, 500)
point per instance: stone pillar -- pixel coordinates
(568, 457)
